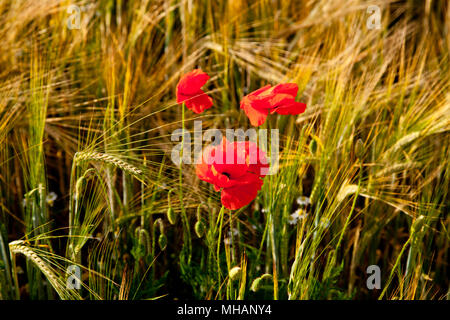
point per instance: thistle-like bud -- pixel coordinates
(235, 273)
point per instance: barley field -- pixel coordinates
(92, 205)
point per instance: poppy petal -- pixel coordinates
(259, 91)
(202, 170)
(257, 116)
(199, 103)
(236, 197)
(291, 108)
(286, 88)
(191, 82)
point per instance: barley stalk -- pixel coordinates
(19, 246)
(83, 156)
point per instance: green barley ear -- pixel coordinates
(79, 187)
(235, 273)
(86, 156)
(418, 224)
(171, 216)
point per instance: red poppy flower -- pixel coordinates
(236, 169)
(189, 91)
(279, 99)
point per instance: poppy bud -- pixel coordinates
(235, 273)
(256, 284)
(162, 241)
(313, 146)
(171, 216)
(159, 223)
(199, 228)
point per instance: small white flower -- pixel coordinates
(303, 201)
(264, 210)
(50, 199)
(51, 196)
(299, 214)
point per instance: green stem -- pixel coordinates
(187, 234)
(220, 218)
(397, 262)
(274, 255)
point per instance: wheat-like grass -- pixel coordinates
(55, 280)
(82, 156)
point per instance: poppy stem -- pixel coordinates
(274, 255)
(220, 220)
(187, 233)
